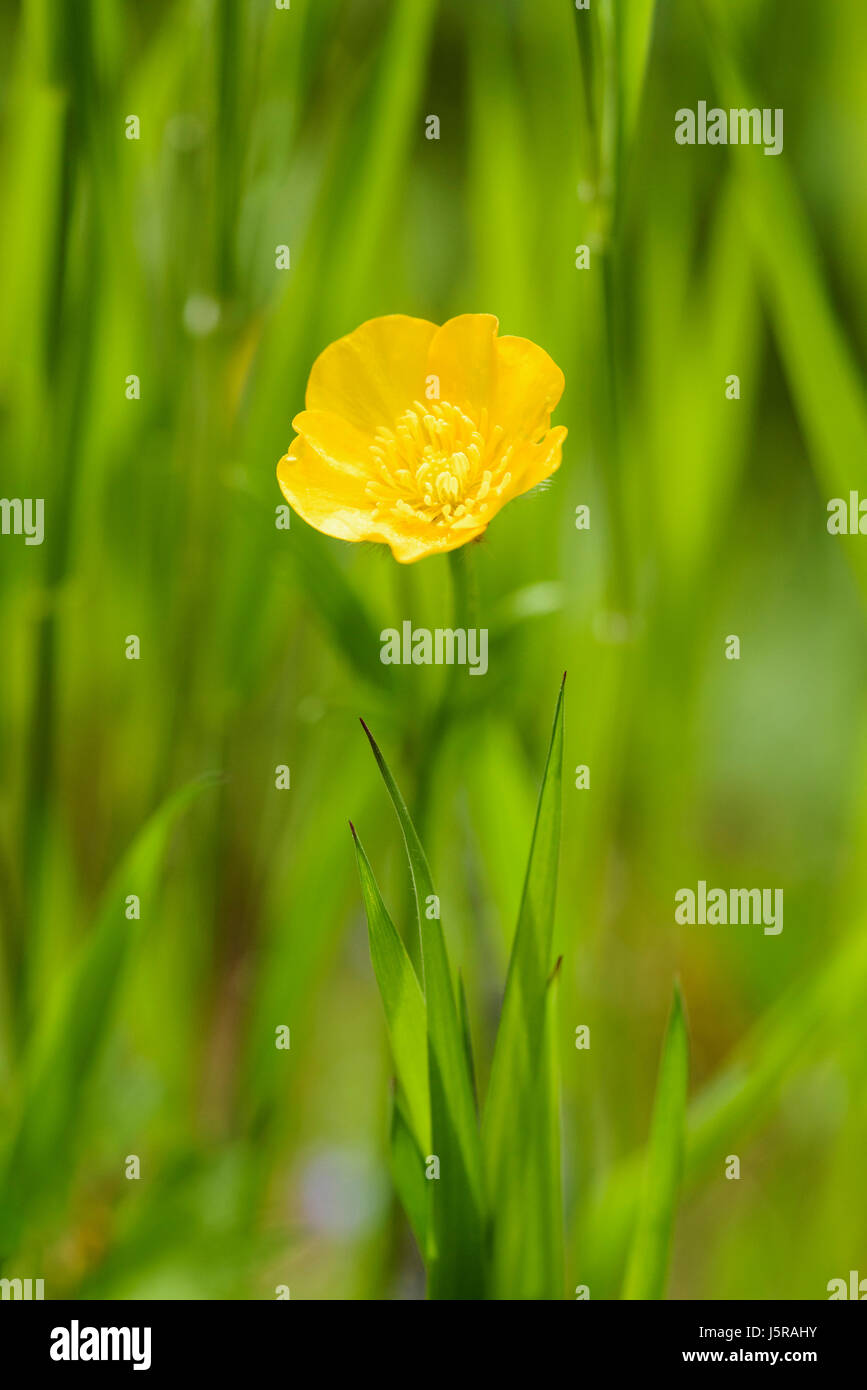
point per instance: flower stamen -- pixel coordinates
(437, 464)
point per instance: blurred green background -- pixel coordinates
(259, 647)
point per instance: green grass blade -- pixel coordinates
(634, 27)
(65, 1053)
(466, 1031)
(422, 882)
(374, 181)
(528, 1242)
(456, 1264)
(800, 1027)
(404, 1005)
(407, 1170)
(519, 1133)
(648, 1259)
(826, 383)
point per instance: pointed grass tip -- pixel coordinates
(371, 740)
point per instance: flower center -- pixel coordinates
(438, 465)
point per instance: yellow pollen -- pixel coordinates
(438, 465)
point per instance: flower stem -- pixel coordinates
(465, 588)
(465, 614)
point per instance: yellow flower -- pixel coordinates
(416, 436)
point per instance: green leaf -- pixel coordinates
(520, 1126)
(648, 1260)
(404, 1005)
(455, 1246)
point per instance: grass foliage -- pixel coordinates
(560, 1167)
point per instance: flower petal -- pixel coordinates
(337, 440)
(409, 546)
(529, 385)
(349, 482)
(373, 374)
(325, 492)
(463, 356)
(534, 463)
(329, 493)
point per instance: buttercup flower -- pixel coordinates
(416, 436)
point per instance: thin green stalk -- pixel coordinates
(465, 611)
